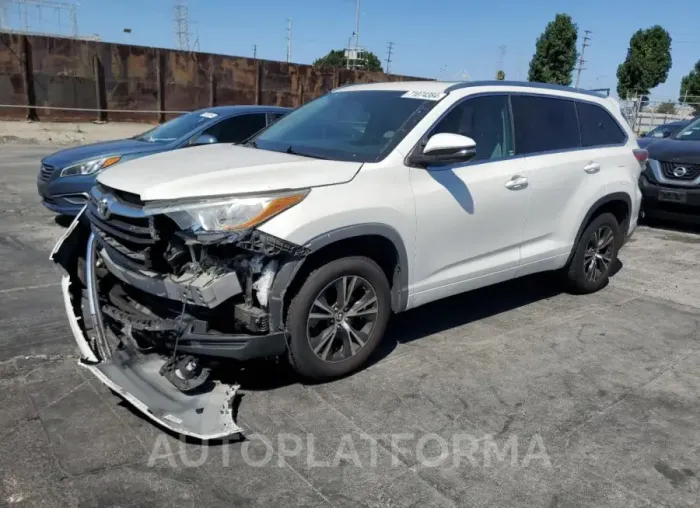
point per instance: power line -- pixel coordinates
(581, 61)
(388, 57)
(289, 40)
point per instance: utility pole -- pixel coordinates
(501, 56)
(357, 25)
(388, 57)
(289, 40)
(255, 51)
(581, 61)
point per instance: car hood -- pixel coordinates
(673, 150)
(70, 156)
(645, 142)
(223, 169)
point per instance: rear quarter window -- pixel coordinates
(598, 127)
(544, 124)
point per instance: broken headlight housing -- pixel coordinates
(227, 214)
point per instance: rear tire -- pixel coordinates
(596, 253)
(331, 336)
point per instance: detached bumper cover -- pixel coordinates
(206, 414)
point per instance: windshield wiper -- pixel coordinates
(291, 151)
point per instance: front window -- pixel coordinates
(362, 126)
(691, 132)
(178, 127)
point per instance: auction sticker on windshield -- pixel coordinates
(209, 115)
(420, 94)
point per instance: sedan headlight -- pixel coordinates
(225, 215)
(90, 167)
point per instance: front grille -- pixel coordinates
(133, 239)
(45, 172)
(692, 171)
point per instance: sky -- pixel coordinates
(440, 39)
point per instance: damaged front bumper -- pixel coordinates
(138, 375)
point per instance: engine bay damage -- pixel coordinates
(159, 315)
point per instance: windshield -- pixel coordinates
(662, 130)
(177, 127)
(691, 132)
(362, 126)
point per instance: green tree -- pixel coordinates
(647, 63)
(666, 108)
(500, 75)
(555, 52)
(336, 58)
(690, 89)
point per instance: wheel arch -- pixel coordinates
(289, 274)
(617, 203)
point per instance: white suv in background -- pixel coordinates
(301, 243)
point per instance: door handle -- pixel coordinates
(591, 167)
(516, 183)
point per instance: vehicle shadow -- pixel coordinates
(63, 220)
(674, 227)
(413, 325)
(465, 308)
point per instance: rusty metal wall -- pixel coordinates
(69, 73)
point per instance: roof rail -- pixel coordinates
(605, 92)
(529, 84)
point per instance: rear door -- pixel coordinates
(547, 135)
(573, 149)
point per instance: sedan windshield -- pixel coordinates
(362, 126)
(178, 127)
(691, 132)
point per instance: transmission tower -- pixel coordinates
(581, 61)
(43, 9)
(181, 17)
(390, 51)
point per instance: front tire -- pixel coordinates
(338, 318)
(596, 252)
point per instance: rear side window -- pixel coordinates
(598, 127)
(543, 124)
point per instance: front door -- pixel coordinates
(470, 217)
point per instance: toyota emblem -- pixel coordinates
(680, 172)
(103, 208)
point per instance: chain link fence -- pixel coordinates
(644, 116)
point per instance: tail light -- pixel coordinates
(642, 157)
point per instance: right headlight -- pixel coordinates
(226, 215)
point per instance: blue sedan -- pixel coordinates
(66, 176)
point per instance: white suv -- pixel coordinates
(301, 243)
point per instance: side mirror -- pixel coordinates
(445, 148)
(204, 139)
(666, 134)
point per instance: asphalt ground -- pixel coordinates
(515, 395)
